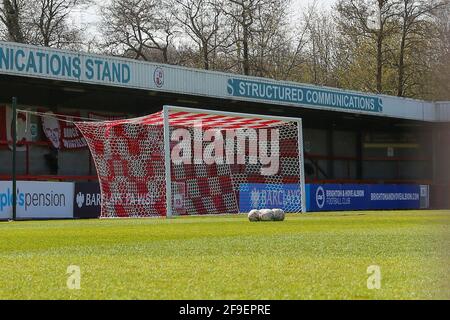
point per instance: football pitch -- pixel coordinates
(309, 256)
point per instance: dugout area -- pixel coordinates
(339, 147)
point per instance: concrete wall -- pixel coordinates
(330, 152)
(315, 142)
(70, 162)
(342, 144)
(74, 162)
(440, 195)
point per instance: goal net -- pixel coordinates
(183, 161)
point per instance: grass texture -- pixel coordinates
(307, 256)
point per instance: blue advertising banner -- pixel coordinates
(337, 197)
(303, 95)
(269, 196)
(394, 197)
(333, 197)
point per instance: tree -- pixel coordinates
(373, 20)
(51, 23)
(203, 22)
(440, 69)
(286, 58)
(139, 28)
(257, 27)
(416, 29)
(269, 37)
(11, 15)
(42, 22)
(242, 12)
(322, 49)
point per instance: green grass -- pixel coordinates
(312, 256)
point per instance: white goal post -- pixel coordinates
(195, 161)
(167, 109)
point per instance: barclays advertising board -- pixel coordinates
(87, 200)
(334, 197)
(271, 196)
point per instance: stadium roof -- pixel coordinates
(69, 66)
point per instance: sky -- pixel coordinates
(89, 17)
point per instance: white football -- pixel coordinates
(265, 215)
(253, 215)
(278, 214)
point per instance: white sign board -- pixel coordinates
(48, 63)
(37, 200)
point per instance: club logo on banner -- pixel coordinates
(62, 133)
(158, 77)
(320, 197)
(179, 196)
(80, 199)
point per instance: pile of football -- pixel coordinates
(266, 215)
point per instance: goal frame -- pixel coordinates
(167, 161)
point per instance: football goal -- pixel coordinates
(185, 161)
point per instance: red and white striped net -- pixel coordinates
(129, 157)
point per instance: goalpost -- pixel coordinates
(186, 161)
